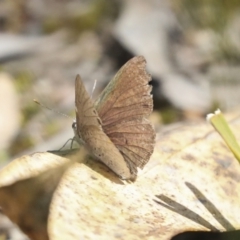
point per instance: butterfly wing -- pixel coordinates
(89, 130)
(86, 114)
(123, 107)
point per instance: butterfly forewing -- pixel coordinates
(86, 113)
(90, 131)
(130, 83)
(123, 107)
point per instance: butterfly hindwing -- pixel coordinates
(123, 108)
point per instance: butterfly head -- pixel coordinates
(77, 136)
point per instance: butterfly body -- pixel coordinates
(115, 129)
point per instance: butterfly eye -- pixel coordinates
(74, 125)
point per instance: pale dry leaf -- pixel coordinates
(190, 183)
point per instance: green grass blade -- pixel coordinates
(220, 124)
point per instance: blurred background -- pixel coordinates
(192, 50)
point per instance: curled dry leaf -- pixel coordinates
(26, 187)
(190, 183)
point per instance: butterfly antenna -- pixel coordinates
(94, 86)
(36, 101)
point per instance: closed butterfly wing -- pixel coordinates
(123, 107)
(86, 114)
(89, 130)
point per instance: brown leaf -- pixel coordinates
(27, 185)
(190, 183)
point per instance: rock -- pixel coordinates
(12, 46)
(232, 33)
(225, 85)
(9, 111)
(145, 28)
(188, 93)
(10, 230)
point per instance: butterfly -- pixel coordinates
(115, 128)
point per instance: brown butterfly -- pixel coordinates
(115, 129)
